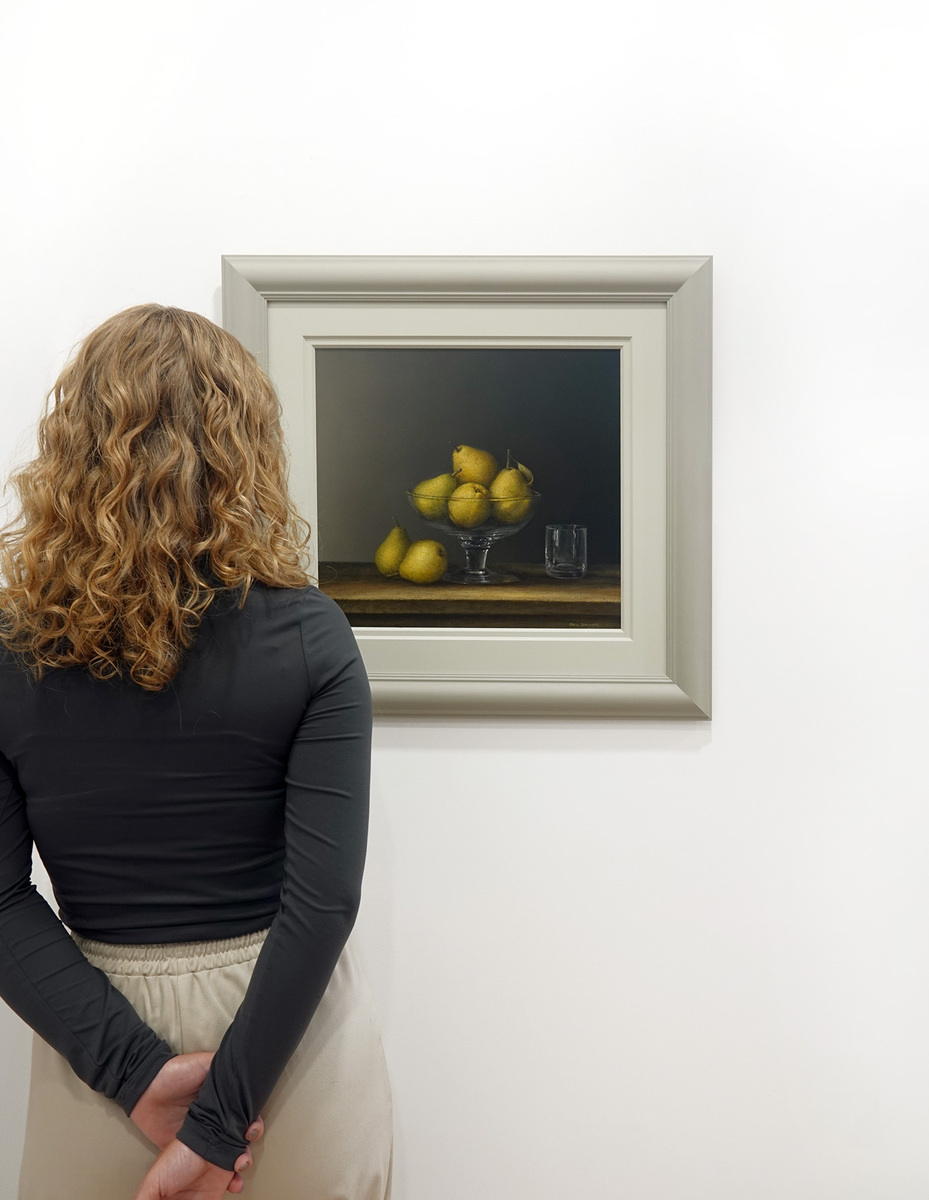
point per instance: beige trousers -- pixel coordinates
(328, 1123)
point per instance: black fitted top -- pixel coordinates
(234, 800)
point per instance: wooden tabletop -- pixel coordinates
(368, 598)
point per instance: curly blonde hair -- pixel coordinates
(160, 480)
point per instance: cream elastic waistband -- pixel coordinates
(170, 958)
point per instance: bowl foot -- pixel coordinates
(463, 575)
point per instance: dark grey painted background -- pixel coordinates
(386, 419)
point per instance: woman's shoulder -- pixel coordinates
(320, 619)
(310, 601)
(327, 638)
(14, 668)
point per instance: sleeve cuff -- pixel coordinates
(131, 1089)
(220, 1151)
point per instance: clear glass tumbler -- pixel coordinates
(566, 551)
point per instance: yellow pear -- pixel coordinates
(389, 554)
(431, 496)
(469, 505)
(424, 562)
(511, 496)
(473, 466)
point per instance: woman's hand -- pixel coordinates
(162, 1107)
(160, 1112)
(180, 1174)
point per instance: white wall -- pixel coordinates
(647, 961)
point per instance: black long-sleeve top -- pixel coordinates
(234, 800)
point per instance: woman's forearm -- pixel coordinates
(47, 980)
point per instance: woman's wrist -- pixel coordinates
(221, 1151)
(134, 1088)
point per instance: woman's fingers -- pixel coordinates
(244, 1161)
(237, 1183)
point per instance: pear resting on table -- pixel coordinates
(419, 562)
(474, 491)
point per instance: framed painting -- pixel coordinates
(506, 466)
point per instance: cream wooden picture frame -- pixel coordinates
(658, 310)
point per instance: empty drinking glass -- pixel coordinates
(566, 551)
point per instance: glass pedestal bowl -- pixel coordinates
(502, 518)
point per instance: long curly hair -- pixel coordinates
(160, 480)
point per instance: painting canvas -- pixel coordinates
(391, 420)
